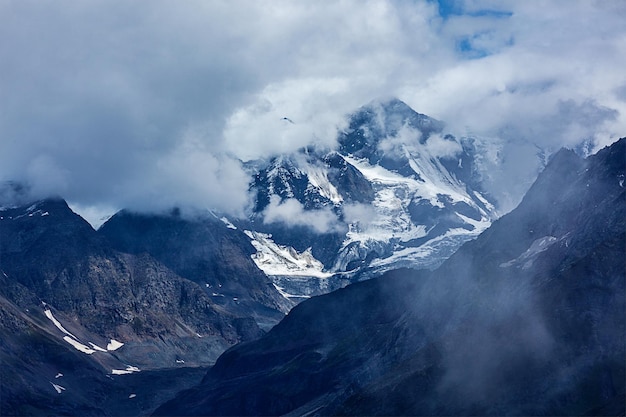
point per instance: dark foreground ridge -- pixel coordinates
(66, 292)
(528, 319)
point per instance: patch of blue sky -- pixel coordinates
(450, 8)
(473, 46)
(467, 50)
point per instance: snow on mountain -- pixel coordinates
(275, 259)
(75, 341)
(526, 259)
(396, 192)
(318, 181)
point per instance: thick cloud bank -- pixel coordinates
(148, 104)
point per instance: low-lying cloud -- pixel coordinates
(291, 212)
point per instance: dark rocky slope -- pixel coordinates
(528, 319)
(55, 267)
(203, 249)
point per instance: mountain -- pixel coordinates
(527, 319)
(206, 250)
(397, 191)
(78, 317)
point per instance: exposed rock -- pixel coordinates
(480, 335)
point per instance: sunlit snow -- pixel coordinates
(74, 341)
(48, 314)
(59, 389)
(114, 345)
(129, 370)
(78, 346)
(275, 259)
(228, 223)
(96, 347)
(285, 294)
(318, 178)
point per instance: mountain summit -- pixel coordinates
(396, 192)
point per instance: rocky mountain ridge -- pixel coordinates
(528, 319)
(396, 192)
(66, 291)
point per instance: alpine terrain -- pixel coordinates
(93, 327)
(119, 319)
(528, 319)
(411, 295)
(396, 192)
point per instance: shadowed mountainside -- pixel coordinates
(67, 298)
(528, 319)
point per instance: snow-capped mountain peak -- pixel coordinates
(397, 191)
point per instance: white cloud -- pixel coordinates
(438, 146)
(291, 213)
(100, 97)
(361, 214)
(559, 52)
(286, 117)
(44, 173)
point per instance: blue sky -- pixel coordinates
(448, 8)
(115, 103)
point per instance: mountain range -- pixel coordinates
(396, 192)
(123, 303)
(185, 309)
(528, 319)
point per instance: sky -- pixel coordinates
(149, 104)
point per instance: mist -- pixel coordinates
(144, 106)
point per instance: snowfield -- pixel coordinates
(275, 259)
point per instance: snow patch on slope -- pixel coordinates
(78, 346)
(59, 389)
(318, 178)
(114, 345)
(129, 370)
(288, 296)
(58, 324)
(527, 258)
(423, 254)
(275, 259)
(228, 223)
(75, 342)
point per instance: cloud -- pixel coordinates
(360, 214)
(285, 117)
(440, 146)
(100, 98)
(291, 213)
(561, 52)
(396, 144)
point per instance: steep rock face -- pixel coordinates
(528, 319)
(396, 192)
(43, 375)
(56, 255)
(207, 251)
(536, 313)
(65, 292)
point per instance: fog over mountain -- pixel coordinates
(527, 319)
(116, 105)
(287, 207)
